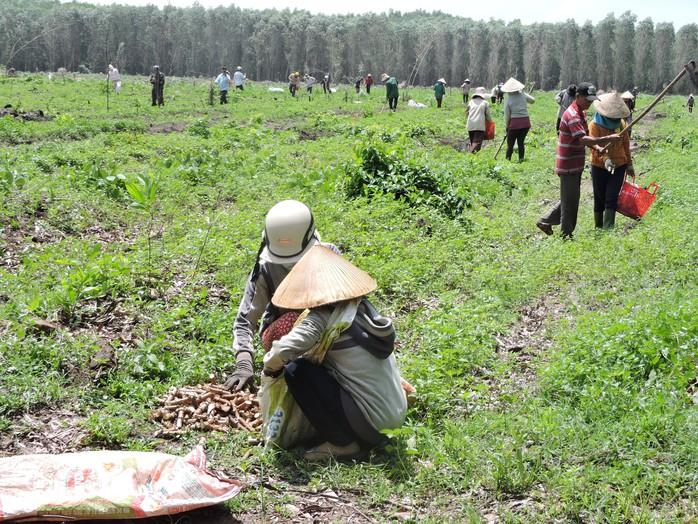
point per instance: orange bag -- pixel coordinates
(489, 130)
(634, 201)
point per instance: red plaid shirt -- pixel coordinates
(570, 153)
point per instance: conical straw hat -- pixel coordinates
(611, 105)
(627, 94)
(512, 86)
(322, 277)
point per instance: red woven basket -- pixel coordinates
(634, 201)
(489, 130)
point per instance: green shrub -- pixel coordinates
(379, 169)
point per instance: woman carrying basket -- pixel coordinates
(608, 170)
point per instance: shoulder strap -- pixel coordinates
(255, 271)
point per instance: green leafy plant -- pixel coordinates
(110, 181)
(199, 128)
(143, 193)
(11, 179)
(380, 170)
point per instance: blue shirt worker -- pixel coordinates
(223, 81)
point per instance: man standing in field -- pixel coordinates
(223, 81)
(391, 90)
(293, 83)
(325, 82)
(439, 91)
(239, 78)
(465, 89)
(157, 79)
(573, 138)
(309, 83)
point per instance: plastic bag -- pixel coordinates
(285, 425)
(108, 484)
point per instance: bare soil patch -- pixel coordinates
(52, 431)
(28, 116)
(459, 144)
(520, 350)
(170, 127)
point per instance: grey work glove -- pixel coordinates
(243, 376)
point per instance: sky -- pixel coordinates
(679, 12)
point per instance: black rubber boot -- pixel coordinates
(598, 219)
(609, 218)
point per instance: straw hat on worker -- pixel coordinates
(322, 277)
(611, 105)
(480, 91)
(512, 86)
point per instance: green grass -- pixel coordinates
(593, 421)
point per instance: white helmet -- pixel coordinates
(289, 231)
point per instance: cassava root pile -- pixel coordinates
(207, 407)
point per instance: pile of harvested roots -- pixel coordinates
(207, 407)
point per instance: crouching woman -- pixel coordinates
(337, 360)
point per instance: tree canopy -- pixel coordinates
(417, 47)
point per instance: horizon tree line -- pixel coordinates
(416, 47)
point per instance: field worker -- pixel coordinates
(368, 83)
(496, 96)
(690, 103)
(114, 76)
(392, 92)
(439, 91)
(157, 79)
(608, 170)
(570, 159)
(629, 101)
(289, 232)
(309, 83)
(564, 98)
(293, 82)
(478, 114)
(357, 84)
(239, 78)
(325, 82)
(465, 89)
(516, 118)
(350, 388)
(223, 81)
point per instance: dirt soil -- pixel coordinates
(459, 144)
(36, 115)
(169, 127)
